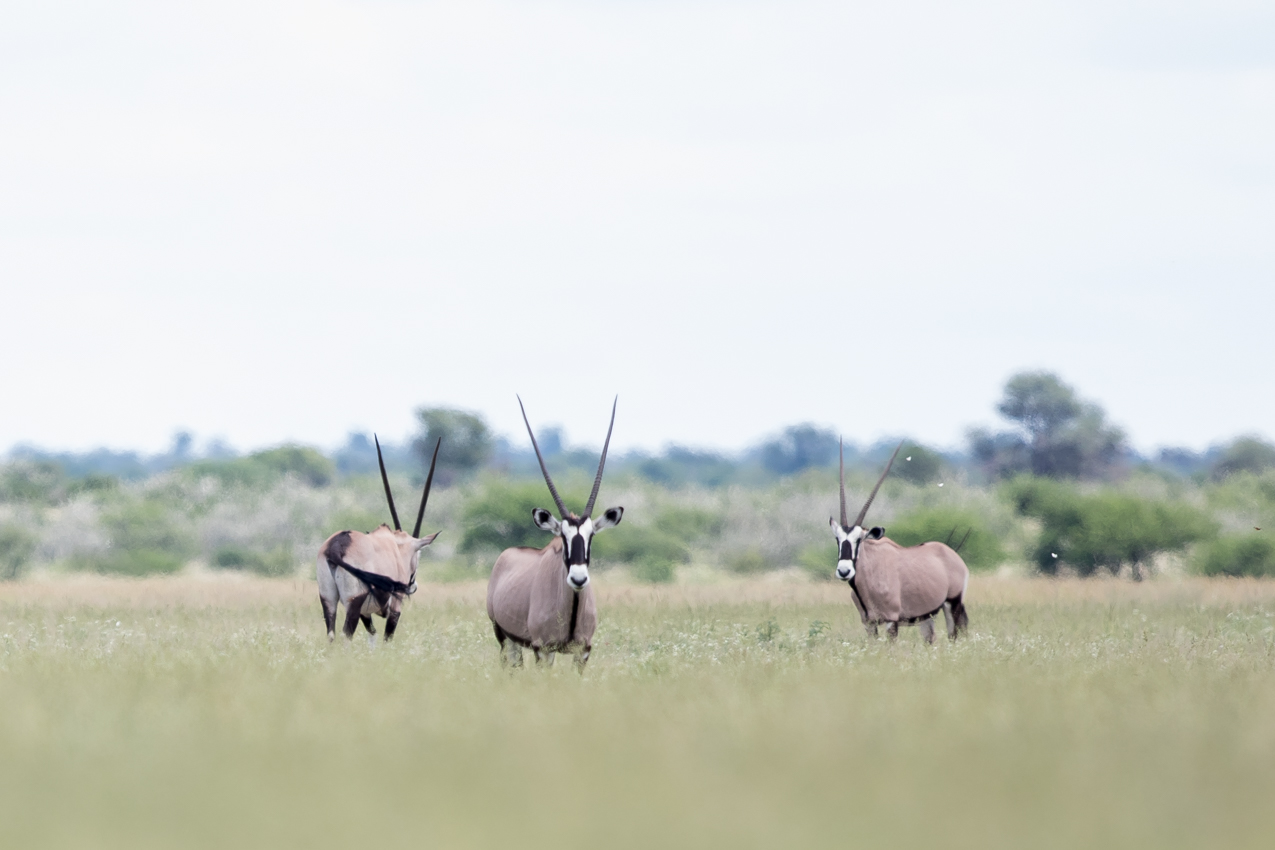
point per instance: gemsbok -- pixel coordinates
(541, 598)
(371, 573)
(895, 584)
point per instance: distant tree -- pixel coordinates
(263, 468)
(1245, 454)
(1059, 435)
(799, 447)
(550, 440)
(467, 442)
(679, 466)
(305, 463)
(1182, 461)
(918, 464)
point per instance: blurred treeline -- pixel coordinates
(1057, 490)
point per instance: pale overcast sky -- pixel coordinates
(272, 221)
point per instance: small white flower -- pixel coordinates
(909, 457)
(940, 483)
(1054, 554)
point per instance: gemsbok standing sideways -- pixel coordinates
(895, 584)
(371, 573)
(542, 598)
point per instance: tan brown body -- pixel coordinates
(384, 553)
(895, 584)
(531, 604)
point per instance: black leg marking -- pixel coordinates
(367, 624)
(962, 618)
(391, 623)
(352, 609)
(329, 617)
(892, 630)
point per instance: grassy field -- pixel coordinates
(188, 712)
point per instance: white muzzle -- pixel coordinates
(578, 576)
(845, 570)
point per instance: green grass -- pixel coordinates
(194, 713)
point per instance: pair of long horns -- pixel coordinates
(863, 513)
(597, 482)
(389, 497)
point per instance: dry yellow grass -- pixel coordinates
(210, 712)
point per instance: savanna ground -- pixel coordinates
(197, 712)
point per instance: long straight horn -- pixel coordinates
(385, 479)
(863, 513)
(597, 482)
(553, 491)
(842, 451)
(429, 479)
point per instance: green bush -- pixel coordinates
(145, 538)
(690, 525)
(264, 467)
(653, 553)
(33, 482)
(981, 549)
(356, 519)
(1104, 530)
(1237, 555)
(277, 562)
(500, 516)
(132, 562)
(748, 561)
(820, 559)
(17, 545)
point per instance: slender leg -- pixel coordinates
(353, 608)
(503, 640)
(949, 617)
(582, 657)
(543, 656)
(329, 617)
(962, 618)
(926, 627)
(368, 624)
(391, 623)
(892, 630)
(515, 654)
(871, 629)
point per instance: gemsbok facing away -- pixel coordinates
(371, 573)
(542, 598)
(895, 584)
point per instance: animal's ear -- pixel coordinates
(545, 520)
(610, 517)
(425, 541)
(876, 533)
(833, 524)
